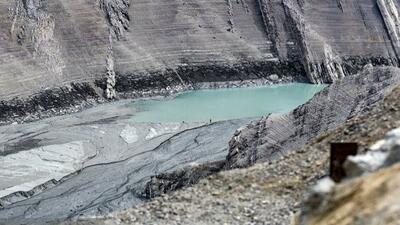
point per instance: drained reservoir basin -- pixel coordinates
(100, 160)
(225, 104)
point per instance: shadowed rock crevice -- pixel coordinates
(175, 180)
(117, 15)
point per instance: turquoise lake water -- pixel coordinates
(223, 104)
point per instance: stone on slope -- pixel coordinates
(369, 200)
(383, 153)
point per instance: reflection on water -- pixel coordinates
(223, 104)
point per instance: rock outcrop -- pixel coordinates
(275, 135)
(167, 182)
(369, 199)
(174, 44)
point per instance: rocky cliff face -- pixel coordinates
(275, 135)
(47, 44)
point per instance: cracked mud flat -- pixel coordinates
(113, 158)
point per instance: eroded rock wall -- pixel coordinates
(390, 15)
(47, 44)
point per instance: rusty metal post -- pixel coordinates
(339, 154)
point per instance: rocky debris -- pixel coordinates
(167, 182)
(328, 203)
(276, 135)
(230, 15)
(58, 101)
(266, 193)
(360, 164)
(392, 145)
(273, 77)
(382, 154)
(369, 200)
(117, 15)
(199, 75)
(366, 199)
(110, 74)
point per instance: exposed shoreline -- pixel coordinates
(76, 97)
(31, 109)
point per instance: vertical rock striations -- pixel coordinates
(321, 65)
(33, 27)
(275, 135)
(117, 15)
(391, 17)
(230, 15)
(270, 25)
